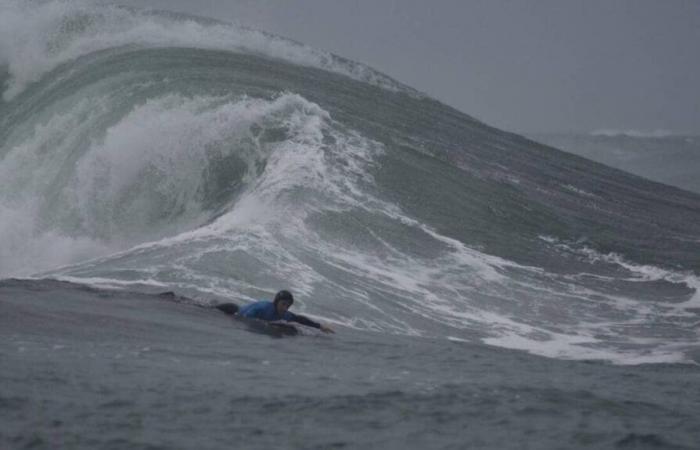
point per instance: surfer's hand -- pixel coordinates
(325, 329)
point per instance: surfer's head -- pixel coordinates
(283, 300)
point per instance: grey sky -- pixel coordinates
(526, 65)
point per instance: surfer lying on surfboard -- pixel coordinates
(272, 311)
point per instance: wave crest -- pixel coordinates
(37, 37)
(169, 165)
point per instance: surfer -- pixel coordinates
(273, 311)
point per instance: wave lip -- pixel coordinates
(36, 37)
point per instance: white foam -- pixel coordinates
(564, 346)
(171, 142)
(24, 250)
(36, 37)
(112, 283)
(578, 191)
(166, 128)
(156, 154)
(645, 272)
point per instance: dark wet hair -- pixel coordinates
(283, 296)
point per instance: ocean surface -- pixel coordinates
(487, 291)
(659, 156)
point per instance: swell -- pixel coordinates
(224, 173)
(40, 36)
(514, 187)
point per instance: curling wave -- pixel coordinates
(149, 149)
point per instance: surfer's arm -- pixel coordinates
(308, 322)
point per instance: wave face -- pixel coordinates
(666, 158)
(152, 149)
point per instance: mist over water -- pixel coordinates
(152, 149)
(660, 156)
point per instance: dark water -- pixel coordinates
(85, 368)
(488, 291)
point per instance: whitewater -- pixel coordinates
(473, 276)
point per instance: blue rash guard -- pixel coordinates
(266, 311)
